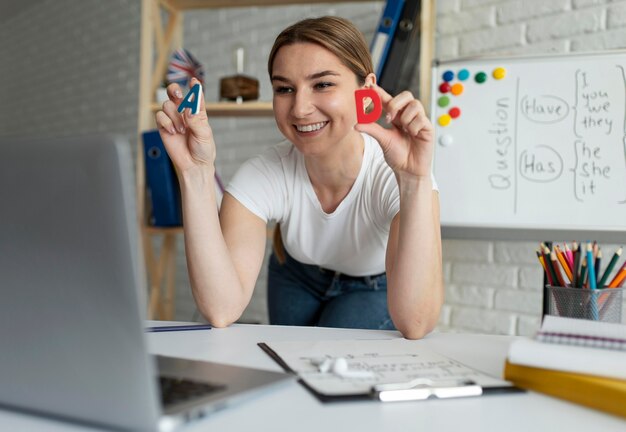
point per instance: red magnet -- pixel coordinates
(444, 87)
(454, 112)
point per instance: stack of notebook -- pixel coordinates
(578, 360)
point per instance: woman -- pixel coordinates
(358, 211)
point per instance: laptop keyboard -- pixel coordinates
(177, 390)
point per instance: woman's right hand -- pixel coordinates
(187, 137)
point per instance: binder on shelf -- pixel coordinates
(384, 33)
(162, 187)
(398, 70)
(601, 393)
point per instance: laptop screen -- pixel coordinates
(71, 312)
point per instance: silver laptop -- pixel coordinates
(72, 337)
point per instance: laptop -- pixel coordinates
(72, 330)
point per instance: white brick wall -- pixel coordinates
(61, 79)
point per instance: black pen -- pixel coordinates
(178, 328)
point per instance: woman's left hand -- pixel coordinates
(408, 144)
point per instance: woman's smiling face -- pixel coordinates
(314, 102)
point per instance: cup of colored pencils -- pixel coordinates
(579, 284)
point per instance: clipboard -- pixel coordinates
(403, 370)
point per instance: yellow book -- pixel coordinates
(605, 394)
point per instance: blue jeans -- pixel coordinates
(307, 295)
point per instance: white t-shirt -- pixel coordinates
(353, 239)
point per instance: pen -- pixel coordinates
(175, 328)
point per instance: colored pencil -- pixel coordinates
(548, 261)
(576, 269)
(555, 266)
(591, 267)
(619, 277)
(570, 256)
(545, 269)
(583, 273)
(597, 267)
(563, 260)
(609, 268)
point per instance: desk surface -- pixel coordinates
(292, 407)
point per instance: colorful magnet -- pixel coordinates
(359, 97)
(443, 101)
(499, 73)
(480, 77)
(446, 140)
(444, 87)
(454, 112)
(444, 120)
(463, 74)
(448, 76)
(192, 100)
(457, 89)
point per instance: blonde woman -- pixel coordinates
(359, 243)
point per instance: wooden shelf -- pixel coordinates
(206, 4)
(232, 109)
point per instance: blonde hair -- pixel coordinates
(337, 35)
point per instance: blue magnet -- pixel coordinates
(192, 100)
(463, 74)
(448, 76)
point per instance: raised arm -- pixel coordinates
(224, 252)
(413, 261)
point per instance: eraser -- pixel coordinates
(192, 100)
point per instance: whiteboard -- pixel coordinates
(540, 151)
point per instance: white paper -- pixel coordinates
(568, 358)
(390, 361)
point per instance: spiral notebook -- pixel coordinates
(582, 332)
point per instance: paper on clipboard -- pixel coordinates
(391, 361)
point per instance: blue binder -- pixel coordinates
(403, 55)
(161, 183)
(384, 34)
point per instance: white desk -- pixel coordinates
(292, 408)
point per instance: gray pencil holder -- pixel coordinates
(598, 305)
